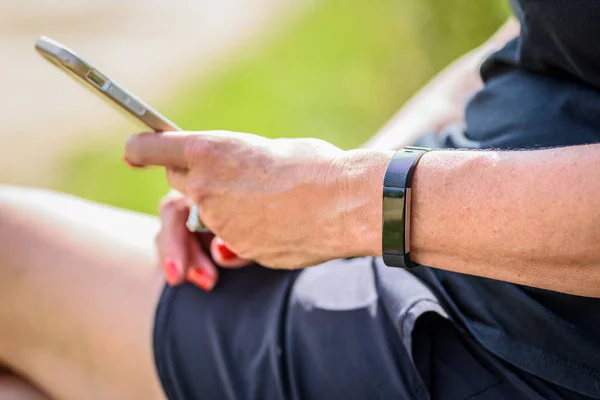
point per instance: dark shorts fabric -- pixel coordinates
(341, 330)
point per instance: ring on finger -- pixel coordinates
(194, 222)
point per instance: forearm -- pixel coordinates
(529, 217)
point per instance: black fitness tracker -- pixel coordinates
(396, 207)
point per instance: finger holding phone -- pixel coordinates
(285, 203)
(183, 257)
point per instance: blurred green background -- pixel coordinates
(337, 72)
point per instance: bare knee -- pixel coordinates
(11, 241)
(15, 198)
(17, 247)
(24, 227)
(9, 197)
(6, 203)
(13, 221)
(13, 213)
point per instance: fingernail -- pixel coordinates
(201, 279)
(226, 253)
(171, 272)
(132, 165)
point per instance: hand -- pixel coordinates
(285, 203)
(182, 253)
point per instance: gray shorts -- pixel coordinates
(347, 329)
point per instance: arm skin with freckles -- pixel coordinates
(526, 217)
(531, 218)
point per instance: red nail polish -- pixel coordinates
(225, 252)
(171, 272)
(201, 279)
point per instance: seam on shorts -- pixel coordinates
(161, 323)
(542, 352)
(485, 389)
(420, 389)
(281, 339)
(499, 381)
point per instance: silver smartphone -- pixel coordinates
(82, 71)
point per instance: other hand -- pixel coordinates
(183, 254)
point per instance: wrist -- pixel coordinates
(361, 183)
(440, 186)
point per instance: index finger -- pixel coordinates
(165, 149)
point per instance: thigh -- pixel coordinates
(454, 367)
(343, 339)
(15, 388)
(79, 284)
(321, 333)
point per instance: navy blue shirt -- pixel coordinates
(541, 90)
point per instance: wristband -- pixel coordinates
(396, 207)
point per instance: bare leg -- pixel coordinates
(15, 388)
(78, 287)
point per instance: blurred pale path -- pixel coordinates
(149, 46)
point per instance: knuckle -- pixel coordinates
(176, 177)
(166, 203)
(189, 149)
(196, 149)
(217, 222)
(212, 217)
(201, 189)
(169, 204)
(205, 149)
